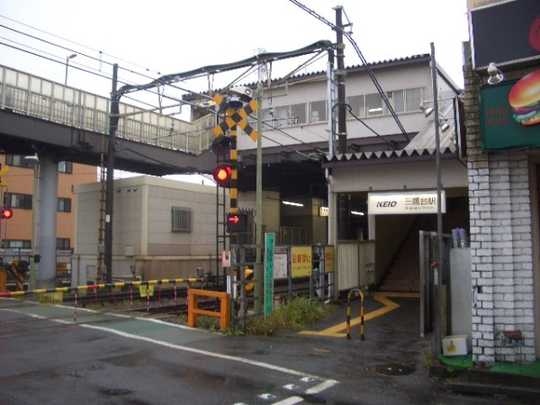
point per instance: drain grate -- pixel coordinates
(395, 369)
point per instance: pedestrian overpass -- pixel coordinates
(37, 114)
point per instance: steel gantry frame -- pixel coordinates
(170, 80)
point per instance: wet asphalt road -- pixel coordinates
(47, 360)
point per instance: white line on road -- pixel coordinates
(172, 325)
(202, 352)
(289, 401)
(318, 388)
(321, 387)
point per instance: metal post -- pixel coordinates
(48, 185)
(340, 76)
(438, 275)
(113, 124)
(259, 281)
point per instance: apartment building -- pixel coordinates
(16, 233)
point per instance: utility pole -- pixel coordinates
(340, 77)
(259, 279)
(438, 271)
(109, 201)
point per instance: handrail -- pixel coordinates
(38, 97)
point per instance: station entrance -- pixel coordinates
(390, 240)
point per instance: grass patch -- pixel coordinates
(295, 315)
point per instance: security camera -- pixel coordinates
(495, 74)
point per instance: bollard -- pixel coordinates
(350, 296)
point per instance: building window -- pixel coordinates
(18, 161)
(413, 99)
(397, 101)
(317, 111)
(16, 200)
(298, 114)
(181, 220)
(64, 205)
(63, 244)
(357, 105)
(373, 105)
(16, 244)
(65, 167)
(281, 116)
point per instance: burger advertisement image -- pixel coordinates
(524, 98)
(510, 113)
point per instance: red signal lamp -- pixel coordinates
(6, 213)
(233, 219)
(222, 175)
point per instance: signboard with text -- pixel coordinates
(407, 202)
(510, 114)
(301, 261)
(280, 266)
(269, 244)
(505, 33)
(328, 259)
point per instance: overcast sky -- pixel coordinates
(174, 36)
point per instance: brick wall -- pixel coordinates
(501, 241)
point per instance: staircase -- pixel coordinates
(402, 275)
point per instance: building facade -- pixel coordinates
(162, 229)
(17, 232)
(502, 157)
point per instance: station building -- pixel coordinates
(302, 210)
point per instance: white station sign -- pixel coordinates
(409, 202)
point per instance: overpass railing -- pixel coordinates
(41, 98)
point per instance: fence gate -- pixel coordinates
(428, 255)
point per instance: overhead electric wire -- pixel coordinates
(78, 44)
(362, 59)
(392, 145)
(90, 57)
(86, 69)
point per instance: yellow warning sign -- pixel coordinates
(146, 291)
(301, 261)
(328, 259)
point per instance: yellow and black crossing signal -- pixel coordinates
(3, 171)
(222, 175)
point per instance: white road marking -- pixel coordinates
(267, 396)
(307, 379)
(321, 387)
(173, 325)
(290, 387)
(118, 315)
(201, 352)
(76, 308)
(304, 376)
(289, 401)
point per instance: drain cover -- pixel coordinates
(395, 369)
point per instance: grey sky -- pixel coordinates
(173, 36)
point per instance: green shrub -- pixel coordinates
(295, 315)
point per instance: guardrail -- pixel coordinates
(224, 313)
(41, 98)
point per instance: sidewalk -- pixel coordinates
(519, 380)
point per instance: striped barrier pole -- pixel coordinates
(96, 287)
(350, 296)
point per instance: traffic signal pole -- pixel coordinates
(109, 199)
(259, 281)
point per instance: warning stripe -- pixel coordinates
(4, 294)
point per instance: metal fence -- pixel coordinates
(41, 98)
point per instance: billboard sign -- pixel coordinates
(510, 113)
(301, 261)
(505, 33)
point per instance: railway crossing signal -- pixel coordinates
(6, 213)
(222, 175)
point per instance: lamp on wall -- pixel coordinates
(495, 74)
